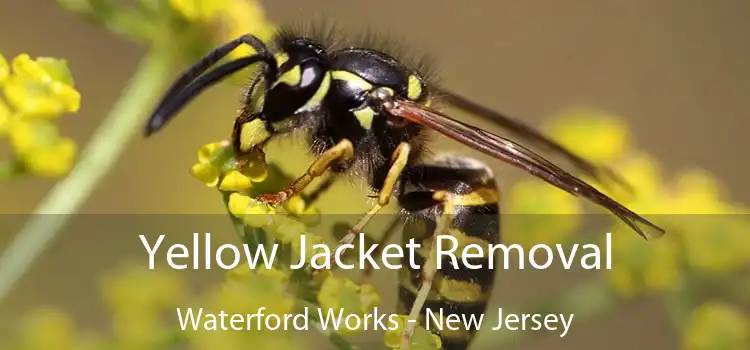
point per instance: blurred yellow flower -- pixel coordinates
(259, 291)
(41, 88)
(421, 339)
(232, 18)
(697, 192)
(134, 288)
(198, 10)
(139, 329)
(5, 117)
(311, 240)
(307, 214)
(716, 243)
(716, 237)
(43, 151)
(4, 69)
(595, 135)
(539, 213)
(36, 92)
(288, 230)
(643, 267)
(239, 17)
(341, 294)
(48, 328)
(717, 326)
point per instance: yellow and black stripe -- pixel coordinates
(466, 189)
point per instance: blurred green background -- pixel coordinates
(676, 71)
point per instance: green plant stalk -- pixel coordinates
(95, 161)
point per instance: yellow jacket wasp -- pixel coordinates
(366, 113)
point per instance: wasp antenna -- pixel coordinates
(175, 95)
(169, 108)
(651, 231)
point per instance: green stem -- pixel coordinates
(96, 160)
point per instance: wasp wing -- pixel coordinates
(519, 156)
(530, 134)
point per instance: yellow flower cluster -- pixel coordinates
(539, 213)
(217, 167)
(216, 162)
(138, 299)
(338, 293)
(245, 292)
(36, 93)
(702, 233)
(716, 325)
(59, 332)
(232, 17)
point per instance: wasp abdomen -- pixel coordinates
(466, 190)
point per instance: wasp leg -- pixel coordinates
(341, 152)
(322, 188)
(400, 158)
(429, 269)
(456, 197)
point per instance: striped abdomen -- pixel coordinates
(469, 192)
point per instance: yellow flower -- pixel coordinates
(134, 288)
(38, 144)
(311, 240)
(295, 205)
(138, 329)
(205, 172)
(4, 69)
(239, 17)
(640, 266)
(37, 91)
(250, 211)
(56, 326)
(597, 136)
(215, 161)
(341, 294)
(5, 117)
(540, 214)
(53, 161)
(697, 192)
(716, 243)
(420, 340)
(211, 157)
(261, 291)
(717, 326)
(287, 230)
(198, 10)
(715, 235)
(235, 181)
(41, 88)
